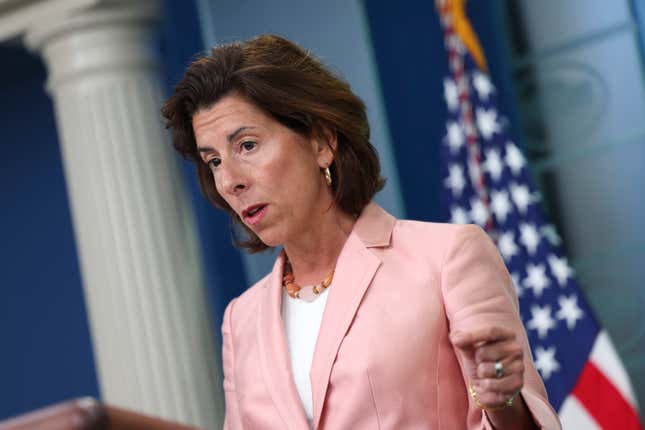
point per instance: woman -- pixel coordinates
(365, 322)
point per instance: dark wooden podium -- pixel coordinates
(87, 414)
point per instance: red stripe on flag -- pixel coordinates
(604, 402)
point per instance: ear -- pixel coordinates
(325, 146)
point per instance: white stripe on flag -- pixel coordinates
(574, 416)
(604, 356)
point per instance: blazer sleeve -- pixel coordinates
(478, 291)
(232, 418)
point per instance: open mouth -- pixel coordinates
(253, 214)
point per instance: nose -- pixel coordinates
(231, 179)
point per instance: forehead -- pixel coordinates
(228, 114)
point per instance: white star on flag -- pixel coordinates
(541, 320)
(487, 122)
(454, 136)
(451, 94)
(500, 205)
(493, 164)
(455, 180)
(521, 196)
(459, 215)
(545, 361)
(507, 246)
(569, 310)
(482, 85)
(560, 269)
(478, 212)
(514, 158)
(529, 237)
(536, 278)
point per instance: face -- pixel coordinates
(269, 174)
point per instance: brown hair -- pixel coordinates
(294, 88)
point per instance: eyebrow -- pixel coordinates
(230, 137)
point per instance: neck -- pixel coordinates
(314, 253)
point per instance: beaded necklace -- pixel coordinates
(307, 293)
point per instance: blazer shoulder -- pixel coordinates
(436, 227)
(434, 241)
(435, 233)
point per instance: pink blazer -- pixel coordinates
(383, 359)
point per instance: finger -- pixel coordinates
(505, 386)
(507, 350)
(486, 369)
(494, 400)
(470, 338)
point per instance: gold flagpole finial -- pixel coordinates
(463, 29)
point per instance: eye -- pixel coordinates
(248, 145)
(214, 162)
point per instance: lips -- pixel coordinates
(253, 214)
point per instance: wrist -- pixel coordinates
(517, 416)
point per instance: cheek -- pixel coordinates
(288, 171)
(279, 175)
(296, 184)
(301, 172)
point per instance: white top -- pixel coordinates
(302, 323)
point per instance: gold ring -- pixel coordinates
(507, 403)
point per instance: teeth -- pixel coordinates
(254, 211)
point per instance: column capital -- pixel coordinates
(19, 16)
(88, 15)
(105, 36)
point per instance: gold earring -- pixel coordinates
(327, 176)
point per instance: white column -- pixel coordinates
(153, 341)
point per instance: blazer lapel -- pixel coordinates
(274, 354)
(355, 270)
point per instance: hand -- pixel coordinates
(482, 349)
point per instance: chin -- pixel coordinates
(271, 243)
(271, 240)
(274, 235)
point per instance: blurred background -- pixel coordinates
(569, 77)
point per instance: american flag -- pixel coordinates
(487, 182)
